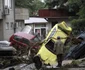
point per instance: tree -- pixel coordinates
(52, 3)
(32, 5)
(78, 26)
(79, 7)
(37, 5)
(25, 3)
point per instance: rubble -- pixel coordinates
(23, 59)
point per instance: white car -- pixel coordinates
(6, 49)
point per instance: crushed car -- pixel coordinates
(22, 42)
(7, 53)
(46, 54)
(6, 49)
(21, 47)
(78, 50)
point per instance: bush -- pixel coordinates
(78, 26)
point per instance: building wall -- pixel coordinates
(8, 22)
(20, 15)
(19, 25)
(1, 8)
(1, 23)
(1, 30)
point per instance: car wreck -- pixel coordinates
(78, 50)
(42, 52)
(21, 46)
(24, 40)
(6, 49)
(7, 53)
(46, 53)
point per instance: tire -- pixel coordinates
(38, 63)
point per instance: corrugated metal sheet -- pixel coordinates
(35, 20)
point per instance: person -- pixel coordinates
(58, 47)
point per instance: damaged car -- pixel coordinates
(6, 49)
(7, 53)
(24, 40)
(46, 53)
(78, 50)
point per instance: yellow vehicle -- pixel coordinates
(46, 53)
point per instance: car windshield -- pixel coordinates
(21, 39)
(35, 39)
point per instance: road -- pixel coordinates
(32, 67)
(22, 67)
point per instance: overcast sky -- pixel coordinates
(42, 0)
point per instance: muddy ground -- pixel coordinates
(32, 67)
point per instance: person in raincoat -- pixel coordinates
(58, 47)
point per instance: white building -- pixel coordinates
(39, 26)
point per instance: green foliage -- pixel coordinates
(37, 5)
(78, 26)
(77, 2)
(77, 6)
(21, 3)
(81, 12)
(32, 5)
(73, 7)
(52, 3)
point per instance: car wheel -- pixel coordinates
(37, 61)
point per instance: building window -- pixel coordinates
(37, 31)
(20, 24)
(17, 24)
(8, 3)
(40, 29)
(7, 25)
(11, 25)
